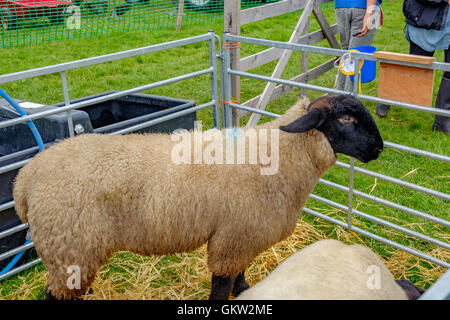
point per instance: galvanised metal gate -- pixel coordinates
(232, 40)
(441, 289)
(210, 37)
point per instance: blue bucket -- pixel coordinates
(368, 70)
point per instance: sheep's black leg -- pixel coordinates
(220, 288)
(49, 295)
(240, 284)
(412, 291)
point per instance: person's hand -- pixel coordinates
(366, 23)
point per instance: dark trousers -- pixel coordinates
(441, 123)
(415, 49)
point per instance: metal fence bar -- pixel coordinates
(165, 118)
(69, 107)
(378, 238)
(6, 206)
(335, 91)
(351, 179)
(405, 105)
(20, 268)
(111, 96)
(418, 152)
(436, 66)
(101, 59)
(382, 222)
(67, 102)
(399, 182)
(331, 51)
(387, 203)
(214, 80)
(13, 166)
(375, 199)
(351, 175)
(262, 112)
(439, 290)
(15, 251)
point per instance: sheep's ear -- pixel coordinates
(311, 120)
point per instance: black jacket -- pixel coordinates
(428, 14)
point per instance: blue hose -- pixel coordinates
(40, 143)
(30, 124)
(14, 260)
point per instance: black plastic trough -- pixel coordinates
(17, 142)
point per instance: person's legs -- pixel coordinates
(343, 19)
(447, 60)
(442, 123)
(357, 21)
(350, 22)
(383, 109)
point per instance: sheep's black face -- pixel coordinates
(347, 124)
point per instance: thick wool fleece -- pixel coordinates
(89, 196)
(328, 269)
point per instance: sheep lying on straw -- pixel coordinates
(89, 196)
(328, 269)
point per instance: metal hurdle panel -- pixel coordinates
(210, 37)
(230, 40)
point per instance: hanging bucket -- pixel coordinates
(368, 70)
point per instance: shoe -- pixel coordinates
(442, 123)
(382, 110)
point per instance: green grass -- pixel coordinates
(400, 126)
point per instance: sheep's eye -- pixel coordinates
(346, 119)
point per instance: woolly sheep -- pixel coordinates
(328, 269)
(89, 196)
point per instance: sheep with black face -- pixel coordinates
(346, 124)
(89, 196)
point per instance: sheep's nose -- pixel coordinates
(379, 150)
